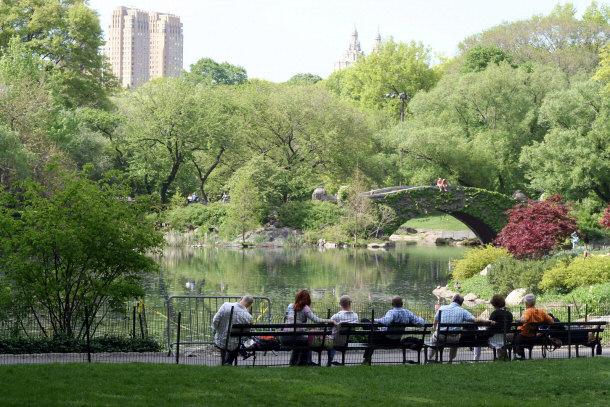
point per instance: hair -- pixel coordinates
(345, 301)
(247, 300)
(459, 298)
(397, 302)
(301, 300)
(530, 299)
(498, 301)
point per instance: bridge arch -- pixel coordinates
(479, 209)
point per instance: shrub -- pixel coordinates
(475, 260)
(477, 285)
(508, 273)
(567, 275)
(62, 344)
(606, 219)
(196, 216)
(536, 228)
(309, 215)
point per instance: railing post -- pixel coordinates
(569, 332)
(228, 333)
(586, 312)
(133, 320)
(296, 357)
(178, 339)
(87, 334)
(169, 330)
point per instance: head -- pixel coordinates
(247, 300)
(529, 300)
(301, 300)
(498, 301)
(345, 302)
(458, 298)
(397, 302)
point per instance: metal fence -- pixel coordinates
(180, 332)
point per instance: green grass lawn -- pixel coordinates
(581, 382)
(436, 221)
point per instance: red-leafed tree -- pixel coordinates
(535, 228)
(606, 219)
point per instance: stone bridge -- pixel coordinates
(479, 209)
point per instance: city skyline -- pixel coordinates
(275, 40)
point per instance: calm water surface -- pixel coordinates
(367, 276)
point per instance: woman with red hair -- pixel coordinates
(300, 310)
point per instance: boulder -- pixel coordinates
(321, 242)
(443, 292)
(330, 245)
(485, 270)
(319, 194)
(516, 296)
(480, 301)
(470, 297)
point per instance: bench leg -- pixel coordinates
(404, 356)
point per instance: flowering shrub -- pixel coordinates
(536, 228)
(606, 219)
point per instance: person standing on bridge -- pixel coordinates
(439, 184)
(445, 184)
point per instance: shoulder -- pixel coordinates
(306, 309)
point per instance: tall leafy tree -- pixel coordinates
(67, 37)
(69, 244)
(206, 70)
(396, 68)
(574, 157)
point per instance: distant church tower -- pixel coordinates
(377, 45)
(351, 55)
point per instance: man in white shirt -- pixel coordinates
(345, 315)
(220, 324)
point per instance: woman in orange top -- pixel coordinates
(527, 333)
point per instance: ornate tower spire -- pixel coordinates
(377, 42)
(351, 55)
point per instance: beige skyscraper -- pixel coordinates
(144, 45)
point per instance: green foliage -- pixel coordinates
(508, 273)
(475, 260)
(477, 285)
(309, 215)
(247, 208)
(196, 216)
(208, 71)
(477, 58)
(59, 344)
(304, 79)
(579, 272)
(71, 244)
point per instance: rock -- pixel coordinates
(443, 292)
(516, 296)
(485, 314)
(441, 241)
(330, 245)
(319, 194)
(470, 297)
(321, 243)
(469, 304)
(519, 196)
(485, 270)
(480, 301)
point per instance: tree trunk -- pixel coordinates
(168, 181)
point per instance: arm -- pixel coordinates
(386, 320)
(216, 319)
(314, 318)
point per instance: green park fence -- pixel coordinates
(181, 332)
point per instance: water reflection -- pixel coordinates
(410, 271)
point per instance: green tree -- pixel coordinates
(304, 79)
(71, 244)
(171, 123)
(477, 58)
(558, 39)
(246, 208)
(206, 70)
(603, 73)
(66, 36)
(472, 127)
(396, 68)
(574, 157)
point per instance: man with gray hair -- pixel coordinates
(527, 332)
(345, 315)
(450, 314)
(233, 313)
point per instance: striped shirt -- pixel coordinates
(220, 323)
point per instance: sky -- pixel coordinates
(276, 39)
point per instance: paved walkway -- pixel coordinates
(210, 356)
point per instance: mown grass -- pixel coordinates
(436, 221)
(582, 382)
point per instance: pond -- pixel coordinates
(368, 276)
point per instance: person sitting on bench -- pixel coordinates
(345, 315)
(396, 316)
(527, 332)
(450, 314)
(229, 347)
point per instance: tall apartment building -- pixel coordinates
(354, 51)
(144, 45)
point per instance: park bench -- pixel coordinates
(570, 334)
(351, 337)
(470, 336)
